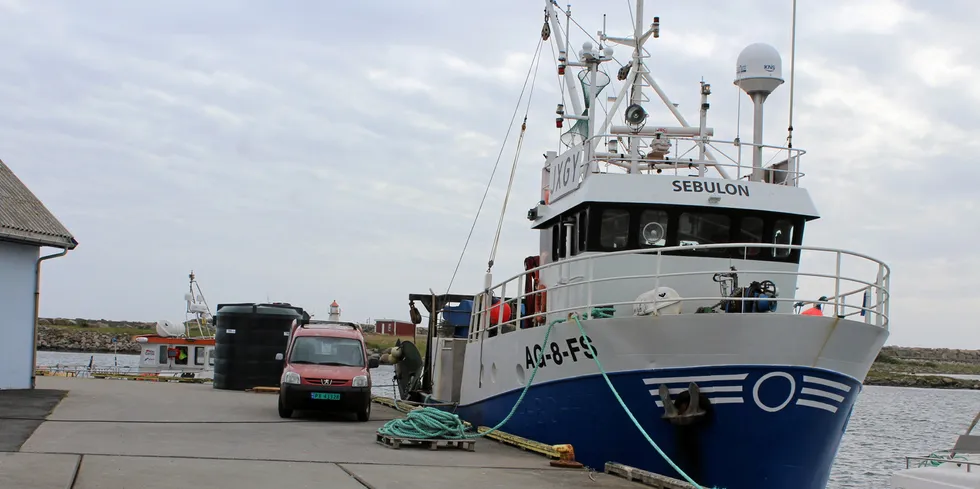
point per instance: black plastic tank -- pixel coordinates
(247, 340)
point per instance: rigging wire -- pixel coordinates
(494, 171)
(513, 169)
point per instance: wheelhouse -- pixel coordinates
(607, 227)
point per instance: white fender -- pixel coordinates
(662, 300)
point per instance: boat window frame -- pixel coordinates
(593, 229)
(186, 360)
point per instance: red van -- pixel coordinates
(326, 368)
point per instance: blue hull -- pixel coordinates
(768, 427)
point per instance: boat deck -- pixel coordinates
(118, 434)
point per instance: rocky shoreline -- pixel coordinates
(63, 338)
(54, 338)
(931, 381)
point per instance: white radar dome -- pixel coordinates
(168, 329)
(760, 69)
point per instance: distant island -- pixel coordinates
(896, 366)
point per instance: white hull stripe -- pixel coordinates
(818, 392)
(719, 400)
(698, 378)
(807, 379)
(705, 390)
(816, 404)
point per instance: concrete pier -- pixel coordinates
(107, 434)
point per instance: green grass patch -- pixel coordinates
(107, 330)
(382, 342)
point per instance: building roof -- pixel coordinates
(24, 219)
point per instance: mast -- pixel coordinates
(636, 86)
(198, 306)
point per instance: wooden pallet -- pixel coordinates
(398, 442)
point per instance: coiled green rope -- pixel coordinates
(944, 455)
(428, 422)
(431, 423)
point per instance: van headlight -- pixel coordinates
(290, 378)
(360, 381)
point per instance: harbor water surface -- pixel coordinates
(888, 423)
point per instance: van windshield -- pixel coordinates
(325, 350)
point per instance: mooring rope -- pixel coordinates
(432, 423)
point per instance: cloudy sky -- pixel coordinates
(308, 151)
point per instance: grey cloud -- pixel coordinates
(340, 152)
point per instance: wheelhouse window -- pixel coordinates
(751, 230)
(601, 227)
(653, 228)
(325, 350)
(614, 231)
(570, 226)
(783, 233)
(702, 229)
(558, 241)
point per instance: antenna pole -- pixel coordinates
(758, 98)
(636, 87)
(792, 76)
(705, 91)
(593, 110)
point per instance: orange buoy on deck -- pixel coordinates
(495, 312)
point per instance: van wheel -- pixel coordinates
(284, 412)
(365, 413)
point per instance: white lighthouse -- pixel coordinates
(334, 312)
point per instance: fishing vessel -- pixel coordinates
(674, 259)
(182, 350)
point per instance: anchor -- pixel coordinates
(687, 410)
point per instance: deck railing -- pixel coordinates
(736, 167)
(844, 296)
(79, 370)
(936, 461)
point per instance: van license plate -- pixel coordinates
(330, 396)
